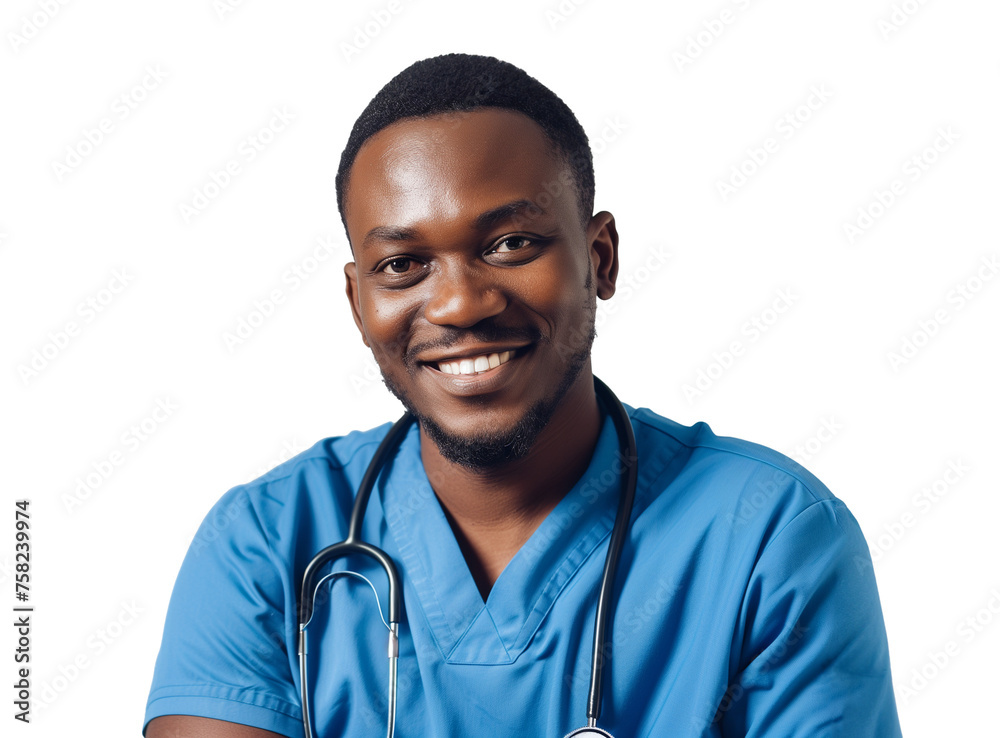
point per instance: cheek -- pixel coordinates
(558, 291)
(386, 321)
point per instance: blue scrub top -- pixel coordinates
(745, 604)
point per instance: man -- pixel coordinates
(745, 604)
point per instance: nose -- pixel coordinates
(464, 296)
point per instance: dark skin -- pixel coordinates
(189, 726)
(445, 241)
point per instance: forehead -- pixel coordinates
(452, 167)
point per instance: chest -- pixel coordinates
(469, 670)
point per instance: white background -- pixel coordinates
(666, 132)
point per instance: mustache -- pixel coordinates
(485, 332)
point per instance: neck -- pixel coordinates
(494, 511)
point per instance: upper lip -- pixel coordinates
(469, 352)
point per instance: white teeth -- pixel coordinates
(476, 364)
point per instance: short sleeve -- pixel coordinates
(224, 652)
(813, 651)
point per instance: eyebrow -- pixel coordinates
(389, 233)
(505, 212)
(484, 221)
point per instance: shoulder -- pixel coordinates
(334, 454)
(316, 485)
(718, 455)
(738, 483)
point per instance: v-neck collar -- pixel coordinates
(466, 629)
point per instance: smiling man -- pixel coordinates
(745, 604)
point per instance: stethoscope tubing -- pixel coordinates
(354, 545)
(619, 532)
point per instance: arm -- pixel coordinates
(224, 655)
(187, 726)
(812, 650)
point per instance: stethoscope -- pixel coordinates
(311, 581)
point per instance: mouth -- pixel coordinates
(475, 363)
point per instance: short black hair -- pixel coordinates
(464, 82)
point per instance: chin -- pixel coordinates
(487, 449)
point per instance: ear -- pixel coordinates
(351, 272)
(602, 238)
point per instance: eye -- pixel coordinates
(399, 265)
(400, 271)
(511, 243)
(516, 250)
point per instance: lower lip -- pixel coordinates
(482, 382)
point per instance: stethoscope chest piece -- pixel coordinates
(589, 733)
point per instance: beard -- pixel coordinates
(491, 448)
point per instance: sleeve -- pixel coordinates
(224, 652)
(813, 656)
